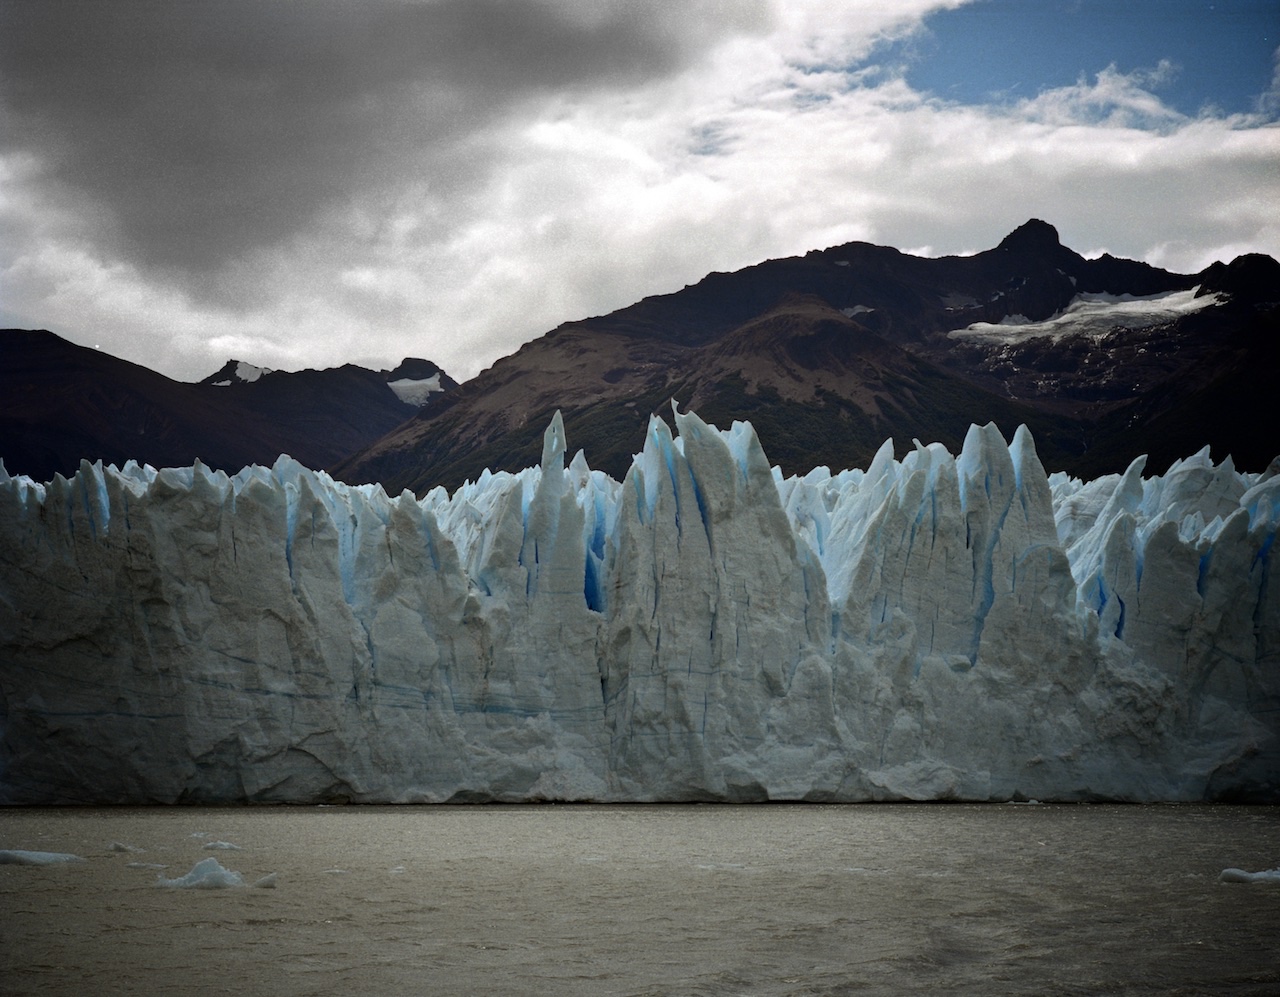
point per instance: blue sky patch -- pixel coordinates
(1222, 54)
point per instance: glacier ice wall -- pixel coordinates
(932, 628)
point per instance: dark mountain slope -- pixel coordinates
(830, 353)
(60, 403)
(1226, 402)
(903, 298)
(827, 354)
(818, 387)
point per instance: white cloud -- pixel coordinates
(574, 200)
(1269, 99)
(1114, 98)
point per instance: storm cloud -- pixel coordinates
(206, 132)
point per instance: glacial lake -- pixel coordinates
(765, 899)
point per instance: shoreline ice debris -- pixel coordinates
(932, 627)
(18, 856)
(210, 874)
(1240, 876)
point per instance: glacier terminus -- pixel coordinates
(940, 627)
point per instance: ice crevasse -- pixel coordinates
(935, 627)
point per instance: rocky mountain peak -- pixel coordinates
(414, 367)
(1252, 277)
(1034, 237)
(417, 369)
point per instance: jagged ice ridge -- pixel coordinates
(932, 628)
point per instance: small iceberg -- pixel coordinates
(1240, 876)
(16, 856)
(222, 846)
(210, 874)
(120, 846)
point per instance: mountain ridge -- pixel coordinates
(830, 353)
(61, 403)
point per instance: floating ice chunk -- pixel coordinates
(1240, 876)
(222, 846)
(16, 856)
(120, 846)
(210, 874)
(145, 865)
(207, 874)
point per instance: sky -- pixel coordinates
(312, 183)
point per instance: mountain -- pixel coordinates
(830, 353)
(826, 354)
(60, 403)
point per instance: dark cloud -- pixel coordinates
(211, 130)
(307, 183)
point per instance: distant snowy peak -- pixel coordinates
(1093, 316)
(236, 372)
(413, 381)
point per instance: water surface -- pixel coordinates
(765, 899)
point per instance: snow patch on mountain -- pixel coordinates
(1091, 315)
(416, 391)
(243, 373)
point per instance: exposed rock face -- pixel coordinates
(1253, 276)
(932, 628)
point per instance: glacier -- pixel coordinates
(940, 627)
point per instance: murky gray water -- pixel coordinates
(648, 900)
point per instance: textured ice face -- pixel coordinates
(935, 627)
